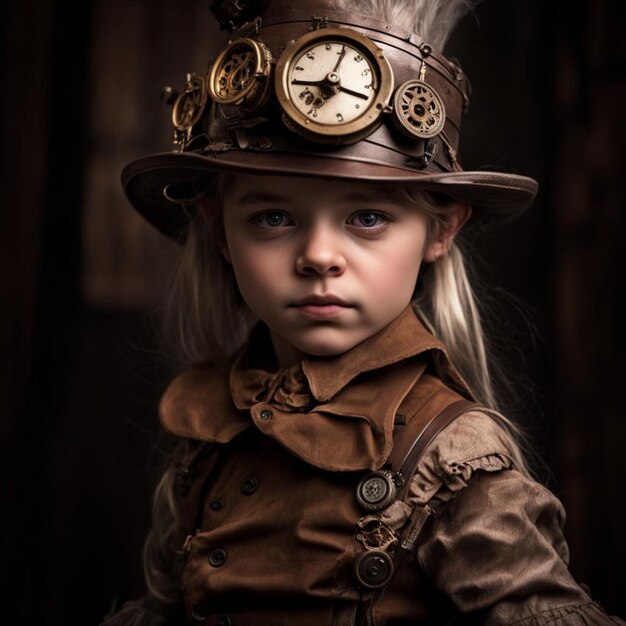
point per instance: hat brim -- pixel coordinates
(495, 196)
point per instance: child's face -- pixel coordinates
(292, 241)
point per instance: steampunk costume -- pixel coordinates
(365, 488)
(276, 528)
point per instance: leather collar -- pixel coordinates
(335, 413)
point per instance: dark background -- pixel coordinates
(82, 276)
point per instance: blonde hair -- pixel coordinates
(206, 320)
(205, 317)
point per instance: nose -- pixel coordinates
(321, 253)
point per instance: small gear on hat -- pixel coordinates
(188, 109)
(239, 76)
(419, 109)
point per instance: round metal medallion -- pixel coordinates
(333, 85)
(239, 75)
(419, 109)
(376, 491)
(373, 569)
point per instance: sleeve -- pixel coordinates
(494, 542)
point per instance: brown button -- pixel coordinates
(184, 480)
(249, 485)
(218, 557)
(265, 414)
(217, 504)
(199, 611)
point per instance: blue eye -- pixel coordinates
(369, 219)
(270, 219)
(275, 219)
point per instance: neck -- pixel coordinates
(286, 353)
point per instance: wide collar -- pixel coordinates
(336, 413)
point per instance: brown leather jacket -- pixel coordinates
(271, 524)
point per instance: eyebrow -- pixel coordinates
(257, 197)
(373, 195)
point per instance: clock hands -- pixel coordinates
(340, 59)
(356, 94)
(326, 81)
(333, 85)
(297, 81)
(328, 86)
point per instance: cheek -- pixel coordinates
(256, 271)
(394, 273)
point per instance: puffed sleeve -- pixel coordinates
(492, 540)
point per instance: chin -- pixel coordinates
(327, 346)
(324, 351)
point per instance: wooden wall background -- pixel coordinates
(82, 276)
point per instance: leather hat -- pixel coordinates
(304, 89)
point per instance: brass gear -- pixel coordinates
(190, 104)
(240, 75)
(419, 109)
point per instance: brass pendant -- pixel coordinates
(374, 534)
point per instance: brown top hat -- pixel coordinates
(303, 89)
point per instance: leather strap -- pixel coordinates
(417, 447)
(406, 454)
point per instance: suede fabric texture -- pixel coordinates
(349, 402)
(305, 436)
(270, 521)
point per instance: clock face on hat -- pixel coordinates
(332, 82)
(333, 85)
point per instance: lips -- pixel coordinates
(321, 301)
(321, 307)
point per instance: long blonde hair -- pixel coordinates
(206, 320)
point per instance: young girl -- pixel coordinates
(341, 459)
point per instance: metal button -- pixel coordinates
(217, 504)
(184, 480)
(199, 611)
(223, 620)
(265, 414)
(376, 491)
(218, 557)
(249, 485)
(373, 569)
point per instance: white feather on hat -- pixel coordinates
(432, 20)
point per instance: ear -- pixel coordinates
(207, 206)
(451, 223)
